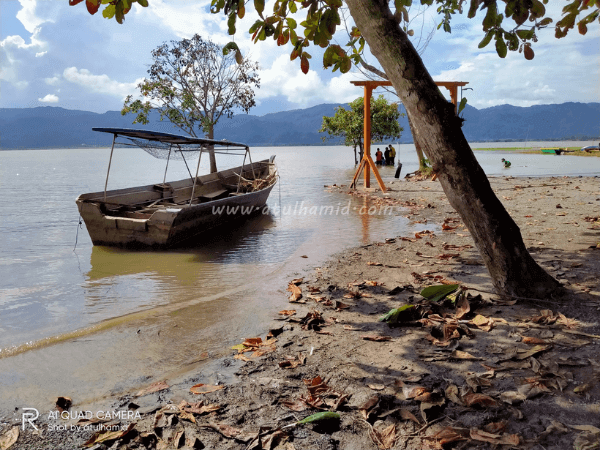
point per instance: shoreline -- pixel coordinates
(371, 383)
(532, 149)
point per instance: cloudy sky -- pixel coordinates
(52, 54)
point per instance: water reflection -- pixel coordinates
(214, 246)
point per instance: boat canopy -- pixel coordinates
(168, 138)
(172, 146)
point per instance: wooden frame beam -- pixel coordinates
(367, 163)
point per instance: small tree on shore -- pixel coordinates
(348, 123)
(193, 84)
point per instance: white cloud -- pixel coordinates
(186, 18)
(27, 15)
(16, 42)
(50, 98)
(285, 78)
(52, 81)
(557, 74)
(100, 83)
(40, 54)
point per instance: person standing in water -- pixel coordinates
(392, 155)
(378, 157)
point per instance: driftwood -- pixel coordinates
(257, 184)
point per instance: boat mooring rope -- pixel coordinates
(79, 225)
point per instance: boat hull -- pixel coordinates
(169, 225)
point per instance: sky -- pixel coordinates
(53, 54)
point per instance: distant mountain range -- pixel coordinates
(54, 127)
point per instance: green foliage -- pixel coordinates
(462, 104)
(114, 8)
(322, 17)
(349, 123)
(438, 292)
(318, 417)
(193, 83)
(402, 314)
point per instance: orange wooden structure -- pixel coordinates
(367, 163)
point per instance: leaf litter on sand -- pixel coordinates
(9, 438)
(319, 395)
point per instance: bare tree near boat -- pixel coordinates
(170, 213)
(193, 83)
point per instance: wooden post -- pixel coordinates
(112, 149)
(196, 178)
(367, 133)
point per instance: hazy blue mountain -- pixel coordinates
(48, 127)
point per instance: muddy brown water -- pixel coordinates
(93, 321)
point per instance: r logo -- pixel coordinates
(30, 417)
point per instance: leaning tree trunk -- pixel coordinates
(418, 148)
(211, 151)
(438, 129)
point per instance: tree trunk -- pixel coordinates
(438, 129)
(211, 151)
(361, 151)
(355, 160)
(422, 165)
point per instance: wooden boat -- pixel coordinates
(591, 148)
(169, 213)
(553, 151)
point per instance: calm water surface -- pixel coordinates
(117, 318)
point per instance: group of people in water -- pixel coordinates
(387, 158)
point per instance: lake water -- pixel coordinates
(84, 321)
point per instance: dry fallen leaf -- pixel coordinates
(385, 439)
(533, 340)
(376, 338)
(473, 399)
(369, 407)
(505, 439)
(205, 388)
(451, 434)
(482, 322)
(459, 354)
(107, 435)
(296, 293)
(496, 427)
(535, 350)
(9, 438)
(512, 397)
(154, 387)
(198, 407)
(462, 307)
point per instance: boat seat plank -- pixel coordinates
(214, 195)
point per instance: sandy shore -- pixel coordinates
(512, 372)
